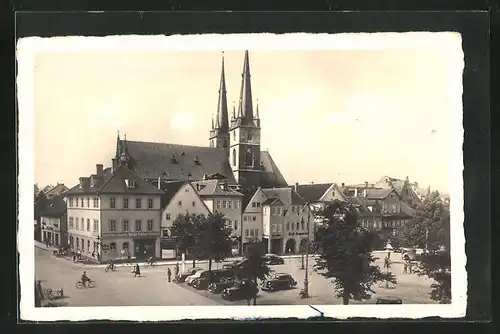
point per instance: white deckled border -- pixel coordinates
(27, 49)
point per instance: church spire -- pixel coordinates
(118, 145)
(222, 122)
(257, 109)
(245, 109)
(234, 110)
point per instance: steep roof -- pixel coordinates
(54, 207)
(112, 183)
(272, 201)
(312, 192)
(56, 190)
(152, 160)
(170, 188)
(378, 193)
(271, 175)
(247, 197)
(213, 187)
(287, 196)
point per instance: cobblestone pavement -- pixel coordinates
(411, 288)
(119, 288)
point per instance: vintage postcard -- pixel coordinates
(241, 176)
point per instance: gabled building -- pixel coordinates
(54, 222)
(219, 197)
(234, 151)
(114, 213)
(407, 191)
(179, 198)
(57, 190)
(320, 194)
(287, 221)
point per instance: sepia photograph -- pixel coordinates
(305, 171)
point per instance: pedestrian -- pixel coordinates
(74, 257)
(169, 274)
(410, 267)
(137, 270)
(129, 257)
(405, 268)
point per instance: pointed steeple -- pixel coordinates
(118, 145)
(222, 119)
(257, 109)
(212, 121)
(245, 109)
(234, 110)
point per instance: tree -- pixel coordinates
(252, 268)
(436, 265)
(345, 253)
(213, 241)
(185, 230)
(429, 228)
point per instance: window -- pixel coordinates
(76, 201)
(96, 202)
(258, 204)
(229, 204)
(112, 203)
(252, 232)
(302, 224)
(70, 222)
(125, 246)
(278, 211)
(279, 228)
(193, 203)
(235, 225)
(218, 204)
(244, 218)
(82, 202)
(112, 246)
(125, 203)
(288, 226)
(234, 157)
(77, 224)
(71, 202)
(265, 210)
(236, 204)
(88, 224)
(246, 232)
(273, 211)
(165, 233)
(234, 135)
(130, 183)
(249, 136)
(96, 225)
(88, 202)
(293, 226)
(150, 203)
(138, 225)
(138, 203)
(150, 224)
(125, 226)
(307, 225)
(256, 232)
(297, 225)
(112, 225)
(179, 203)
(88, 246)
(394, 208)
(224, 204)
(83, 245)
(293, 209)
(167, 216)
(254, 205)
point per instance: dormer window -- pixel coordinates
(174, 159)
(130, 183)
(197, 161)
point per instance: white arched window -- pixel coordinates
(234, 157)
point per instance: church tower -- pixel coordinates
(219, 133)
(244, 133)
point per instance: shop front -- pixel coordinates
(137, 245)
(168, 248)
(296, 242)
(144, 248)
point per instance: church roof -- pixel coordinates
(153, 160)
(271, 175)
(312, 192)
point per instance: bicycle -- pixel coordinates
(88, 284)
(109, 266)
(150, 263)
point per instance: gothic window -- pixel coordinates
(249, 136)
(234, 135)
(234, 157)
(249, 158)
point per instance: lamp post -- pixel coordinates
(306, 280)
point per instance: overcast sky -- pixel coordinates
(327, 115)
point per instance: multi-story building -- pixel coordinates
(409, 192)
(219, 197)
(180, 198)
(287, 221)
(114, 213)
(54, 222)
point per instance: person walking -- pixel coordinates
(137, 271)
(169, 274)
(405, 268)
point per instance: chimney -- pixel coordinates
(355, 192)
(343, 184)
(93, 179)
(84, 182)
(296, 186)
(99, 169)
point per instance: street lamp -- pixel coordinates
(306, 280)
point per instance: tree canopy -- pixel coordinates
(185, 230)
(345, 253)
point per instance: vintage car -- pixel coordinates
(389, 300)
(188, 272)
(223, 283)
(202, 282)
(271, 259)
(278, 281)
(240, 290)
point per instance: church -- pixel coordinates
(233, 155)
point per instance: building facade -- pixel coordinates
(113, 214)
(54, 229)
(180, 198)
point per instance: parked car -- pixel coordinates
(221, 285)
(197, 274)
(389, 300)
(239, 290)
(278, 282)
(188, 272)
(202, 281)
(271, 259)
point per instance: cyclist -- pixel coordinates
(112, 265)
(85, 278)
(150, 260)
